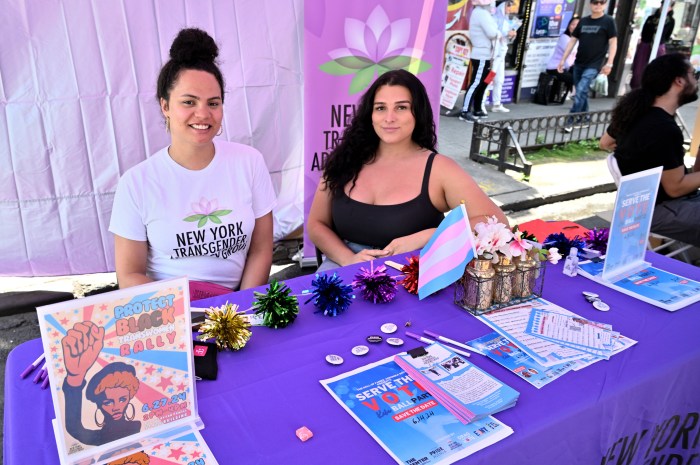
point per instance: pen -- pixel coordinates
(453, 342)
(430, 341)
(45, 383)
(40, 374)
(31, 367)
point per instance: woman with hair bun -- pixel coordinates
(198, 207)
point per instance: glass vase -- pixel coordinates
(504, 280)
(526, 270)
(478, 285)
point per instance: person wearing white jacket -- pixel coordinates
(507, 30)
(483, 33)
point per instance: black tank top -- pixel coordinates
(377, 225)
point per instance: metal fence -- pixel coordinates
(505, 143)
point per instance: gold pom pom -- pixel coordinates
(227, 326)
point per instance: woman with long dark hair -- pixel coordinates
(384, 188)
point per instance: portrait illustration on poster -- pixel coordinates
(120, 367)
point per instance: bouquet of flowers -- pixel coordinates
(493, 240)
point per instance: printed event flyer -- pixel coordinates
(120, 366)
(189, 449)
(503, 351)
(405, 419)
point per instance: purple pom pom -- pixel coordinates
(375, 285)
(598, 239)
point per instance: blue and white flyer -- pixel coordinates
(653, 285)
(509, 355)
(409, 424)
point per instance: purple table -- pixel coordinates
(639, 405)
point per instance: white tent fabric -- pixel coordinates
(77, 93)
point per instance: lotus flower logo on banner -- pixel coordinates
(373, 48)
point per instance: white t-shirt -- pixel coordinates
(197, 223)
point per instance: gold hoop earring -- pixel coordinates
(99, 425)
(221, 130)
(133, 412)
(167, 124)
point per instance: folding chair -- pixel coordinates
(674, 246)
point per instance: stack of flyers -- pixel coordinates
(509, 355)
(465, 390)
(575, 332)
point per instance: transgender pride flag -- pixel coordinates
(445, 256)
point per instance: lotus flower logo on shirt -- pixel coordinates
(373, 48)
(206, 210)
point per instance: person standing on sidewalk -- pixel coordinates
(597, 36)
(644, 134)
(483, 33)
(507, 31)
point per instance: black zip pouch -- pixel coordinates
(205, 364)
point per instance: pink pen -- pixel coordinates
(31, 367)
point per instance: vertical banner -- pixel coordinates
(346, 46)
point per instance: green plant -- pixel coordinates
(579, 150)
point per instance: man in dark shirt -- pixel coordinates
(597, 36)
(644, 134)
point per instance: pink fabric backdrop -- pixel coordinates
(78, 108)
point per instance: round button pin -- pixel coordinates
(388, 328)
(374, 339)
(590, 294)
(334, 359)
(395, 341)
(600, 305)
(360, 350)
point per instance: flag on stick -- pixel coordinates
(447, 253)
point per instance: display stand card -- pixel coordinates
(121, 370)
(629, 229)
(623, 267)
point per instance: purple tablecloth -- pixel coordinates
(638, 406)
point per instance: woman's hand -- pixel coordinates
(409, 243)
(367, 255)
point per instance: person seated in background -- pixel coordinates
(643, 134)
(384, 188)
(566, 77)
(197, 207)
(643, 51)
